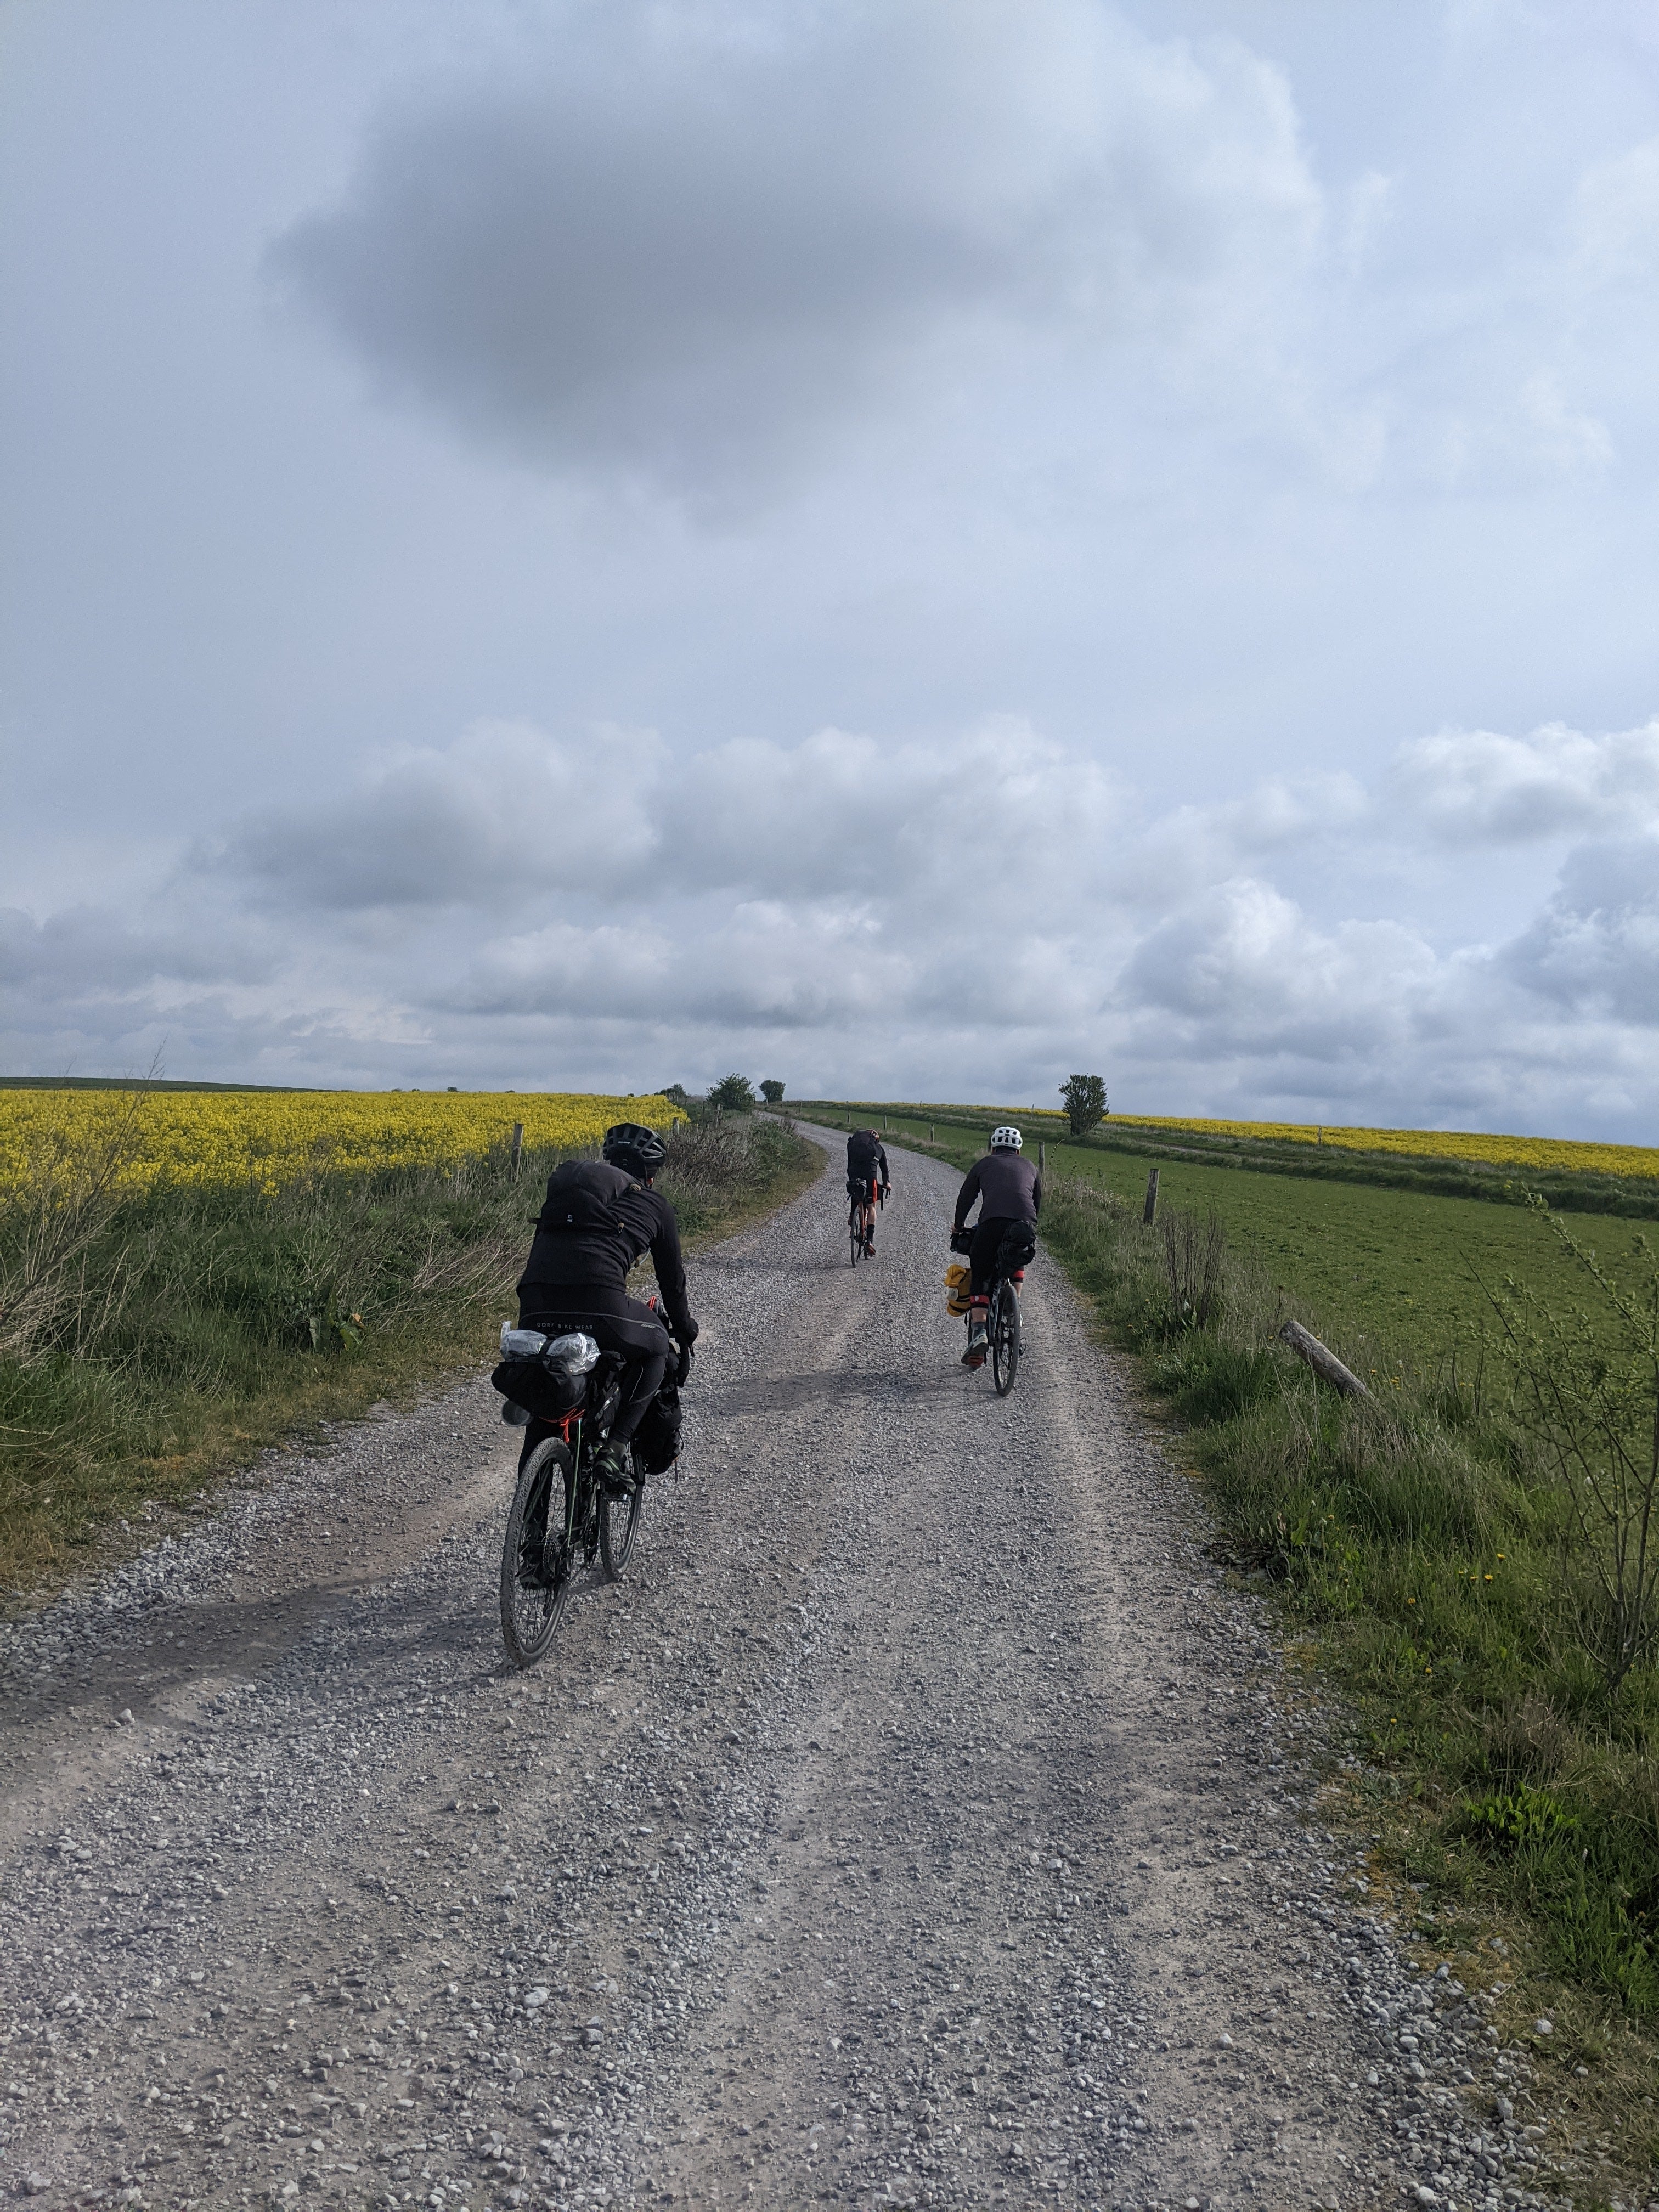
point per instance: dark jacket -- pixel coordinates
(1007, 1187)
(595, 1223)
(866, 1155)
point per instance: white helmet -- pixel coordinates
(1006, 1139)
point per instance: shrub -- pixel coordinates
(735, 1093)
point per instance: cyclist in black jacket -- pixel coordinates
(866, 1175)
(1009, 1190)
(598, 1218)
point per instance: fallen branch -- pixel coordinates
(1323, 1362)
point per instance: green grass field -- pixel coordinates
(1380, 1274)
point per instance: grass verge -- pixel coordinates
(162, 1340)
(1424, 1552)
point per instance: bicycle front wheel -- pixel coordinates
(537, 1557)
(1005, 1339)
(619, 1523)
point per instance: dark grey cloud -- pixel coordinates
(1594, 948)
(509, 815)
(685, 242)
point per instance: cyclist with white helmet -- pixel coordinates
(1010, 1191)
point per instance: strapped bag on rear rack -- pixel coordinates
(545, 1377)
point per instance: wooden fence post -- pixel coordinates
(518, 1148)
(1324, 1363)
(1150, 1209)
(1043, 1156)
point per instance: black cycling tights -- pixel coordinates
(982, 1259)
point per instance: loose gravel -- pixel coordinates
(919, 1822)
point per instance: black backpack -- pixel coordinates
(582, 1195)
(862, 1148)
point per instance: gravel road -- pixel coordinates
(919, 1822)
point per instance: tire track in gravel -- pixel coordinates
(914, 1822)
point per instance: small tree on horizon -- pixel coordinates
(772, 1091)
(735, 1093)
(1085, 1102)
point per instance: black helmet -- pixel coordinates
(634, 1149)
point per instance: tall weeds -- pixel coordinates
(1593, 1413)
(149, 1339)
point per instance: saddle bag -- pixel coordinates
(549, 1393)
(1018, 1249)
(548, 1386)
(658, 1436)
(858, 1186)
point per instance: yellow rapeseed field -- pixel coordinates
(265, 1140)
(1523, 1154)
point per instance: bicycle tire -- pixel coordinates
(855, 1234)
(1005, 1339)
(619, 1523)
(531, 1613)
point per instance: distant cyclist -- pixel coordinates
(866, 1178)
(1009, 1190)
(600, 1216)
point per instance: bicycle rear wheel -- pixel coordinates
(537, 1557)
(1005, 1339)
(619, 1523)
(855, 1233)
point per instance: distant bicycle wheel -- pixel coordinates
(619, 1522)
(537, 1556)
(1005, 1339)
(855, 1233)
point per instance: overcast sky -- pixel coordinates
(913, 546)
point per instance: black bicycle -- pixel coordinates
(1002, 1322)
(1005, 1331)
(562, 1517)
(860, 1230)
